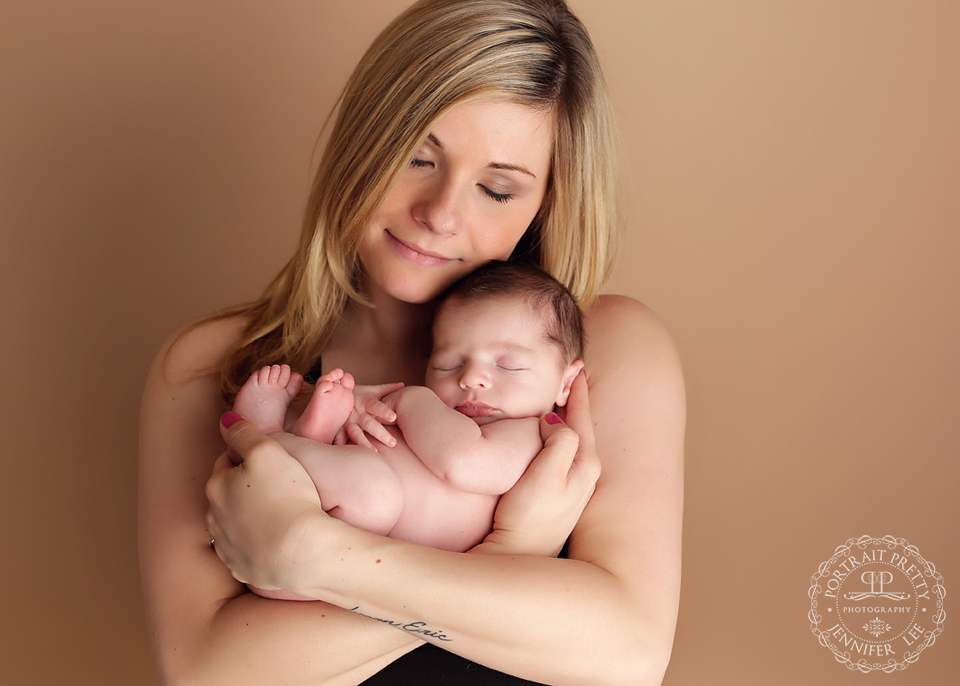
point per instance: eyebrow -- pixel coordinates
(493, 165)
(507, 347)
(502, 347)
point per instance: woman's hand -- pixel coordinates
(536, 516)
(261, 501)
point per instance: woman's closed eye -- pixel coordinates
(499, 197)
(420, 163)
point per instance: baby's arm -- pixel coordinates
(484, 459)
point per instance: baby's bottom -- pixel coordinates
(356, 485)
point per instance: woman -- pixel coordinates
(472, 130)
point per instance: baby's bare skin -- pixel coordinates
(394, 492)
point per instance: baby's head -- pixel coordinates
(507, 343)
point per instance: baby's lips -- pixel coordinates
(476, 410)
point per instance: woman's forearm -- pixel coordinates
(551, 620)
(252, 640)
(208, 630)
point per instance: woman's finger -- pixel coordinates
(576, 413)
(586, 462)
(560, 446)
(214, 490)
(241, 436)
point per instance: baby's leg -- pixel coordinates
(328, 409)
(265, 396)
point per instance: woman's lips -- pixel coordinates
(416, 254)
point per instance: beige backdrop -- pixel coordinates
(794, 175)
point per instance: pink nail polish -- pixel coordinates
(553, 418)
(229, 419)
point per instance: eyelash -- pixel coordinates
(447, 369)
(493, 195)
(498, 197)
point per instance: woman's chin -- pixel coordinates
(416, 291)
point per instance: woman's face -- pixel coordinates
(466, 198)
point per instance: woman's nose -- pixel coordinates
(473, 377)
(439, 208)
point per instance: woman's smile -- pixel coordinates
(414, 253)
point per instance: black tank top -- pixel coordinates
(428, 665)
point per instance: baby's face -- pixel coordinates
(491, 360)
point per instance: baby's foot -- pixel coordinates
(265, 396)
(328, 409)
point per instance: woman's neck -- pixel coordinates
(389, 341)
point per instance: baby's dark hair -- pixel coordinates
(550, 299)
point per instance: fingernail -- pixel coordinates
(229, 419)
(553, 418)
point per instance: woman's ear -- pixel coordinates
(568, 376)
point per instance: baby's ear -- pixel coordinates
(568, 376)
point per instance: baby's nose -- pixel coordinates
(474, 377)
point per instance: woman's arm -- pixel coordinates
(605, 616)
(206, 627)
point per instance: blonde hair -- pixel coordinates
(434, 56)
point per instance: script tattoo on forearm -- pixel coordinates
(419, 628)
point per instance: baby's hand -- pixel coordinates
(368, 416)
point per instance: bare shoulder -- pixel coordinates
(632, 526)
(179, 438)
(612, 319)
(635, 381)
(625, 337)
(197, 347)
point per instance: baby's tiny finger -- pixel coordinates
(383, 412)
(375, 429)
(358, 437)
